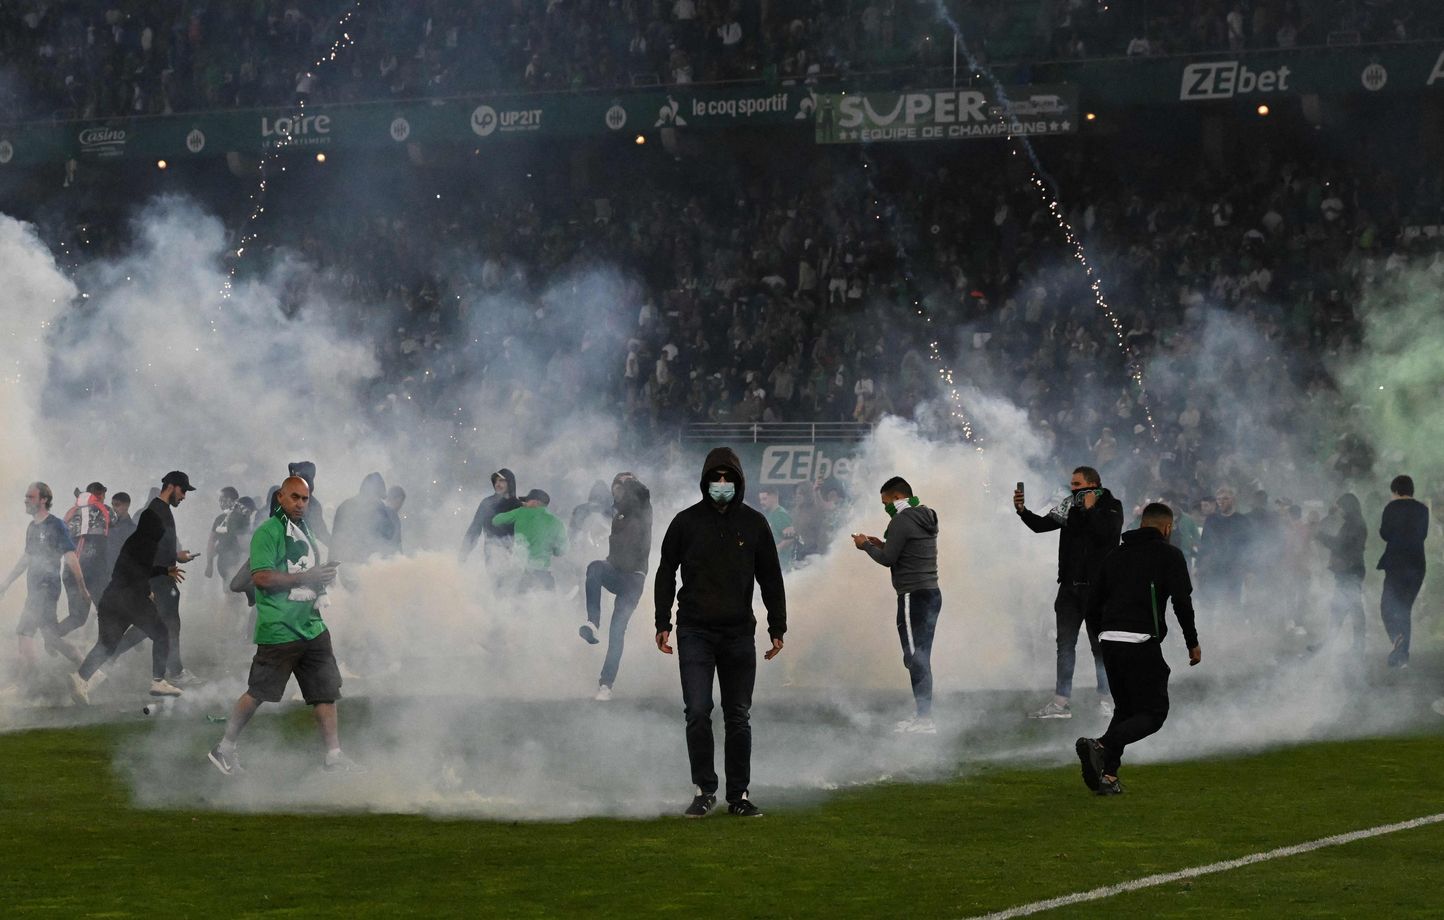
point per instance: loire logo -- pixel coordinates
(1374, 77)
(616, 118)
(196, 140)
(1227, 79)
(301, 126)
(400, 129)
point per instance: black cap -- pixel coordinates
(537, 495)
(96, 488)
(177, 478)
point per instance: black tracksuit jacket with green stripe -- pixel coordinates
(1135, 583)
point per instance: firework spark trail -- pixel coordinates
(251, 228)
(1047, 189)
(945, 370)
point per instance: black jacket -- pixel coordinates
(1135, 583)
(138, 562)
(721, 552)
(1089, 535)
(1346, 547)
(489, 508)
(1404, 527)
(631, 541)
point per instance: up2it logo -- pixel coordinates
(1227, 79)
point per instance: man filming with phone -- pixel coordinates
(1090, 521)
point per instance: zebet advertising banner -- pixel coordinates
(946, 114)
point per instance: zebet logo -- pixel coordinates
(1227, 79)
(791, 464)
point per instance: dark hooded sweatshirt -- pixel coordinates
(138, 561)
(631, 541)
(721, 552)
(1134, 584)
(1088, 536)
(910, 549)
(489, 508)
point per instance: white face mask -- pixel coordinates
(901, 504)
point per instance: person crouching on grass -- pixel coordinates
(1133, 586)
(290, 635)
(909, 548)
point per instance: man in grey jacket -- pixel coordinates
(909, 547)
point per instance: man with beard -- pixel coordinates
(623, 573)
(1223, 553)
(1090, 520)
(722, 546)
(128, 602)
(48, 547)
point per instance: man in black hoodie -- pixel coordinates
(909, 548)
(1129, 595)
(1090, 519)
(623, 572)
(1403, 528)
(498, 536)
(722, 546)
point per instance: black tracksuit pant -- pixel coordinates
(118, 612)
(1138, 677)
(1396, 608)
(917, 622)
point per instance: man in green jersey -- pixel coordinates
(291, 638)
(540, 533)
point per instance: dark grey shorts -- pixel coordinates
(311, 660)
(39, 613)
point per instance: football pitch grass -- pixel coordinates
(73, 843)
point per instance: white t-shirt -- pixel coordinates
(1119, 635)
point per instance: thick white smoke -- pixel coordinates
(478, 700)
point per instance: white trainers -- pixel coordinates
(604, 693)
(1053, 710)
(79, 689)
(340, 763)
(917, 725)
(164, 687)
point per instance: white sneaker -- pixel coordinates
(79, 689)
(1105, 706)
(918, 725)
(340, 763)
(164, 687)
(1053, 710)
(604, 693)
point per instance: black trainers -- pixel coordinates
(743, 808)
(701, 806)
(588, 632)
(227, 763)
(1090, 758)
(1109, 787)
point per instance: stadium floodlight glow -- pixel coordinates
(641, 139)
(320, 158)
(1263, 111)
(161, 164)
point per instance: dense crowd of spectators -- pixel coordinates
(105, 58)
(793, 293)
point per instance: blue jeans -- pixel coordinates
(1069, 607)
(732, 657)
(917, 621)
(627, 586)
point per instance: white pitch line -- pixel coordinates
(1108, 891)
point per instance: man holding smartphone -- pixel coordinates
(291, 638)
(1090, 521)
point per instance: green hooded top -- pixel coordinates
(542, 533)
